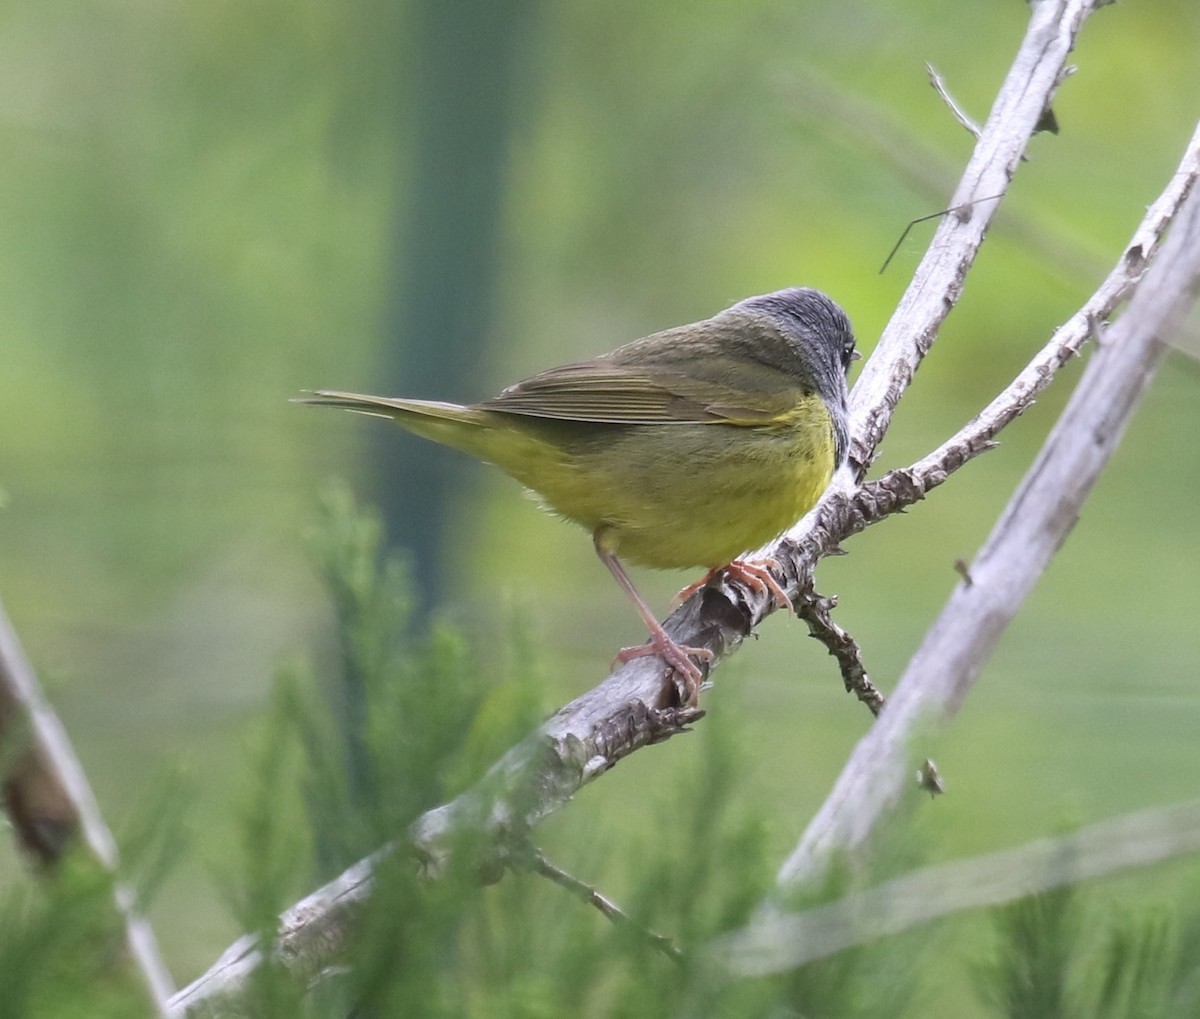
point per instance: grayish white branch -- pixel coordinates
(47, 787)
(779, 941)
(1029, 532)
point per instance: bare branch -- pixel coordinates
(904, 486)
(1027, 91)
(1029, 532)
(49, 800)
(311, 934)
(775, 942)
(626, 710)
(530, 781)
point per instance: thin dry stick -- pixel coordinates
(958, 210)
(939, 86)
(1028, 534)
(593, 897)
(51, 799)
(783, 941)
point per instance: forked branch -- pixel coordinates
(1030, 530)
(628, 710)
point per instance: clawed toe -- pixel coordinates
(758, 576)
(679, 658)
(753, 574)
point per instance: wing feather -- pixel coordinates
(674, 377)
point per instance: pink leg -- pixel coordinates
(677, 656)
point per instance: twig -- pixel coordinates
(1028, 534)
(49, 800)
(817, 611)
(939, 86)
(587, 893)
(776, 942)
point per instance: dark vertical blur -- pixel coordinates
(469, 61)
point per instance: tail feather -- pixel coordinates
(513, 443)
(466, 428)
(387, 407)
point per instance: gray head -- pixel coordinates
(822, 339)
(812, 320)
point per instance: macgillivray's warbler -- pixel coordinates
(685, 448)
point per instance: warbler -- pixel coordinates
(684, 448)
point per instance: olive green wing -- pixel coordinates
(682, 376)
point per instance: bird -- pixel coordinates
(684, 448)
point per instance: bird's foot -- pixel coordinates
(753, 574)
(686, 674)
(758, 575)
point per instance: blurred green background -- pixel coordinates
(209, 207)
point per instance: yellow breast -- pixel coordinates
(684, 495)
